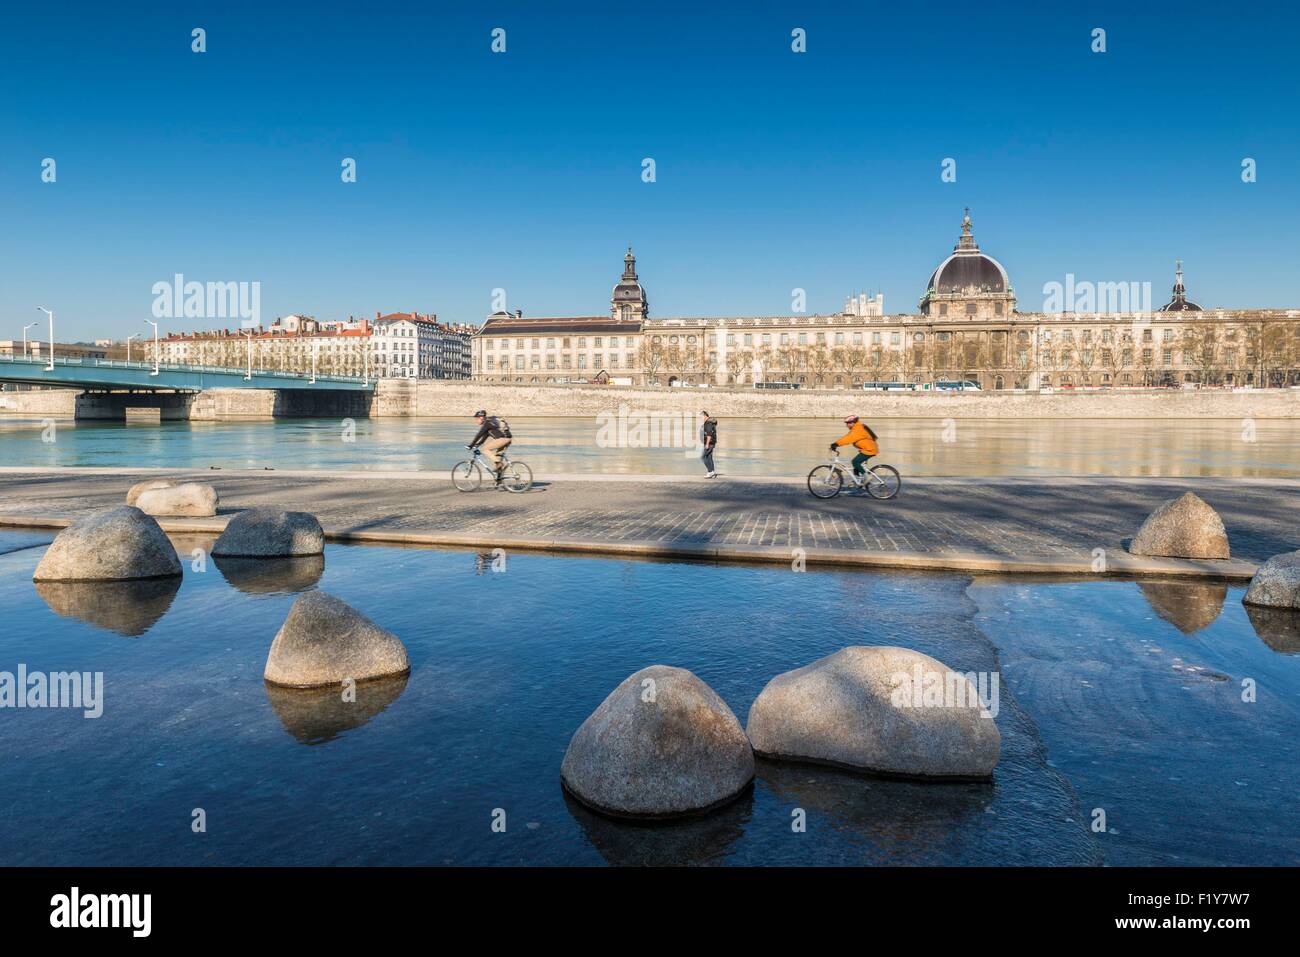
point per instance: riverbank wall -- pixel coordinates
(403, 398)
(438, 398)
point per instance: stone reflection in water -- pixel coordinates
(1279, 628)
(129, 608)
(706, 839)
(319, 715)
(901, 822)
(1188, 606)
(272, 576)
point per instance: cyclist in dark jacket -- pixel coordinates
(493, 435)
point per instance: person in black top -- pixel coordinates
(709, 441)
(494, 436)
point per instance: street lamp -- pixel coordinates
(25, 328)
(50, 313)
(128, 346)
(155, 345)
(249, 377)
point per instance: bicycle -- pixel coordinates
(826, 481)
(468, 476)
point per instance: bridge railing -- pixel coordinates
(147, 366)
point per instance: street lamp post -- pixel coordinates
(249, 377)
(155, 345)
(50, 313)
(25, 328)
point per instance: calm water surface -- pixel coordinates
(917, 446)
(1135, 707)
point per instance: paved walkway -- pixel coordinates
(1029, 525)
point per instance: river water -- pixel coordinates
(1117, 699)
(917, 446)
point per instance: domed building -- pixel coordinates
(629, 301)
(969, 283)
(1180, 302)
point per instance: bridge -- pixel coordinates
(110, 374)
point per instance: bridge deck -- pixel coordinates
(118, 374)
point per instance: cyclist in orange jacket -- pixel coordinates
(861, 438)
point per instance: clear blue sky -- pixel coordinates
(523, 170)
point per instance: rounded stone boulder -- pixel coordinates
(325, 641)
(271, 533)
(1184, 527)
(1276, 583)
(139, 488)
(662, 745)
(889, 711)
(114, 544)
(187, 500)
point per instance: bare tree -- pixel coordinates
(650, 356)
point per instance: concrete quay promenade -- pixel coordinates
(987, 525)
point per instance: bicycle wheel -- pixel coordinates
(884, 481)
(517, 477)
(466, 477)
(825, 482)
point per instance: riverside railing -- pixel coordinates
(175, 367)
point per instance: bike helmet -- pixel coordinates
(850, 419)
(481, 414)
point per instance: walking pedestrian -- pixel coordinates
(708, 441)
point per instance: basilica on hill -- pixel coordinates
(967, 328)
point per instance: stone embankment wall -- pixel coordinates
(39, 402)
(396, 398)
(463, 398)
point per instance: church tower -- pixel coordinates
(629, 300)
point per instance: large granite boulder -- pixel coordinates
(271, 533)
(325, 641)
(187, 500)
(139, 488)
(113, 544)
(876, 709)
(1183, 527)
(1276, 583)
(663, 744)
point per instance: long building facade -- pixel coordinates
(967, 329)
(399, 345)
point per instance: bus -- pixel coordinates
(957, 385)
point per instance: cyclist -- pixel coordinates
(861, 438)
(494, 436)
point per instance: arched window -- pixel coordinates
(997, 382)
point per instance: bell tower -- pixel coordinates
(629, 300)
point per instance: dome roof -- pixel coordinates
(968, 270)
(1180, 302)
(629, 287)
(961, 273)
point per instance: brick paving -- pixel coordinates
(996, 517)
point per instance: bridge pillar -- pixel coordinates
(112, 406)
